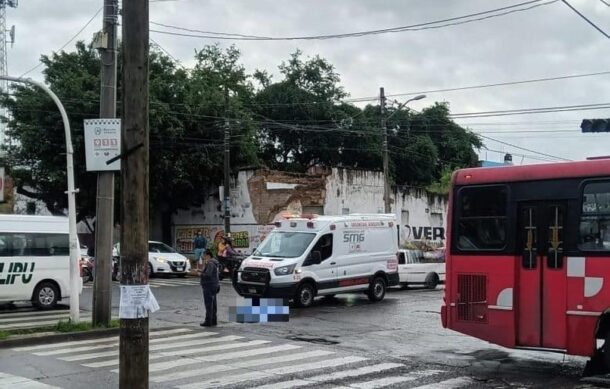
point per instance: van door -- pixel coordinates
(325, 272)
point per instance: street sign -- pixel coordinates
(102, 143)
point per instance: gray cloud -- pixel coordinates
(543, 42)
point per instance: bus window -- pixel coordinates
(482, 218)
(595, 219)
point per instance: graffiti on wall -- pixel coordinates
(245, 239)
(423, 233)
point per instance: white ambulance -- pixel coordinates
(308, 256)
(34, 260)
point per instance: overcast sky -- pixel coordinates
(547, 41)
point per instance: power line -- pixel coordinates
(605, 2)
(523, 148)
(371, 98)
(414, 27)
(69, 41)
(586, 19)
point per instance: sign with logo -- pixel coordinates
(16, 271)
(102, 143)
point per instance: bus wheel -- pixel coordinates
(46, 295)
(304, 295)
(377, 289)
(432, 281)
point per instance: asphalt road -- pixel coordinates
(341, 342)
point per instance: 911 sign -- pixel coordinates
(102, 143)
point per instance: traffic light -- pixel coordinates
(595, 125)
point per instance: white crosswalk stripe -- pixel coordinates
(393, 380)
(166, 282)
(17, 382)
(31, 319)
(189, 358)
(453, 383)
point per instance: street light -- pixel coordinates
(386, 170)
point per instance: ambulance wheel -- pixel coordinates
(304, 295)
(377, 289)
(45, 295)
(432, 281)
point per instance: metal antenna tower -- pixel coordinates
(4, 54)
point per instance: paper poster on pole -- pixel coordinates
(136, 302)
(102, 143)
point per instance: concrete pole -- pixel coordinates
(386, 163)
(75, 278)
(104, 226)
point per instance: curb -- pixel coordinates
(57, 337)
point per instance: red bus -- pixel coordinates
(528, 257)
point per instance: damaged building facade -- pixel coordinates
(260, 197)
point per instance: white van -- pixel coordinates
(34, 260)
(416, 267)
(305, 257)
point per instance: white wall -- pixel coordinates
(421, 216)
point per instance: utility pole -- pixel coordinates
(102, 293)
(4, 55)
(386, 169)
(133, 348)
(227, 178)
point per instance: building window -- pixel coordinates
(594, 231)
(30, 208)
(482, 218)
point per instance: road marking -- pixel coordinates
(218, 368)
(115, 343)
(333, 376)
(98, 340)
(316, 365)
(37, 324)
(35, 313)
(17, 382)
(111, 353)
(227, 346)
(227, 380)
(37, 317)
(452, 383)
(233, 379)
(387, 381)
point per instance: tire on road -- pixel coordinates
(304, 295)
(46, 295)
(432, 281)
(377, 289)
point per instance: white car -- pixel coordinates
(416, 267)
(162, 259)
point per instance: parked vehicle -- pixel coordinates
(87, 265)
(417, 267)
(309, 256)
(162, 259)
(34, 259)
(529, 257)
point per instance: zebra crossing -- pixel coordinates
(187, 358)
(32, 319)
